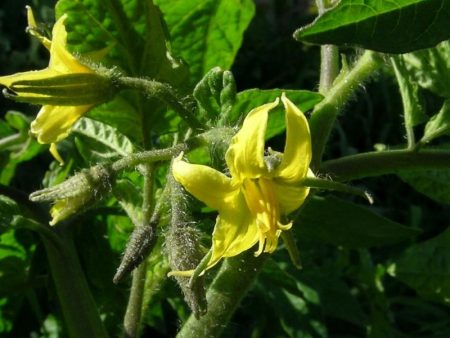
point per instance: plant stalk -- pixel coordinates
(385, 162)
(224, 295)
(133, 314)
(326, 112)
(164, 92)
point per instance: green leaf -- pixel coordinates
(208, 33)
(99, 141)
(215, 95)
(294, 304)
(17, 120)
(431, 68)
(386, 26)
(125, 118)
(252, 98)
(438, 125)
(426, 267)
(128, 35)
(409, 89)
(334, 221)
(8, 209)
(434, 184)
(131, 34)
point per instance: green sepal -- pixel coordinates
(319, 183)
(64, 90)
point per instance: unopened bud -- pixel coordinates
(76, 193)
(184, 251)
(139, 245)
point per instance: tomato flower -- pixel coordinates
(66, 88)
(252, 202)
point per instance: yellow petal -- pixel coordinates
(206, 184)
(53, 123)
(8, 80)
(34, 30)
(235, 232)
(54, 151)
(61, 60)
(289, 197)
(245, 156)
(297, 152)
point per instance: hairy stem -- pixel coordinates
(224, 295)
(133, 314)
(385, 162)
(326, 112)
(159, 155)
(163, 92)
(329, 67)
(329, 58)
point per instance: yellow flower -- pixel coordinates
(66, 88)
(253, 200)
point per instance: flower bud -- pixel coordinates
(183, 246)
(77, 193)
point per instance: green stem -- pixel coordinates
(409, 98)
(164, 92)
(329, 67)
(78, 307)
(224, 295)
(151, 156)
(133, 314)
(385, 162)
(326, 112)
(329, 58)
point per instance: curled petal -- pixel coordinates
(297, 152)
(53, 123)
(33, 30)
(206, 184)
(290, 197)
(60, 58)
(245, 156)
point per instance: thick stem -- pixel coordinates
(78, 307)
(325, 113)
(224, 295)
(164, 92)
(385, 162)
(329, 58)
(133, 314)
(329, 67)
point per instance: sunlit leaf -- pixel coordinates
(439, 124)
(431, 68)
(207, 33)
(387, 26)
(252, 98)
(100, 141)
